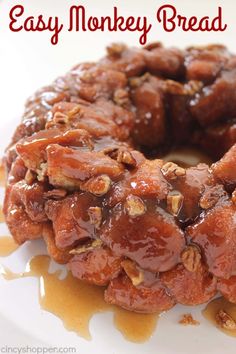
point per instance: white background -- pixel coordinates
(28, 61)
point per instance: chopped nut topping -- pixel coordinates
(85, 248)
(121, 97)
(95, 215)
(74, 111)
(137, 81)
(116, 49)
(30, 177)
(191, 258)
(60, 118)
(126, 157)
(111, 151)
(224, 320)
(177, 88)
(134, 206)
(87, 77)
(153, 45)
(121, 156)
(131, 269)
(173, 87)
(206, 203)
(42, 172)
(50, 124)
(55, 194)
(172, 171)
(98, 186)
(174, 202)
(192, 87)
(187, 319)
(234, 196)
(210, 197)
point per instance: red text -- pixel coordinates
(33, 24)
(170, 19)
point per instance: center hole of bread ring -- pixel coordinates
(186, 157)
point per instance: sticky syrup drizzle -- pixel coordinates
(75, 302)
(1, 215)
(7, 246)
(2, 174)
(213, 308)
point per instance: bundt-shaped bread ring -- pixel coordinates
(83, 174)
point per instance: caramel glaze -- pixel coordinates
(78, 302)
(7, 246)
(2, 183)
(213, 307)
(2, 174)
(1, 215)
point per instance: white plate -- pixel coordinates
(28, 61)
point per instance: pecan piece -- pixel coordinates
(137, 81)
(224, 320)
(74, 111)
(174, 87)
(207, 203)
(134, 206)
(87, 77)
(97, 186)
(191, 258)
(42, 172)
(55, 194)
(174, 202)
(211, 196)
(30, 177)
(95, 216)
(153, 45)
(131, 269)
(60, 118)
(87, 247)
(187, 319)
(121, 97)
(192, 87)
(116, 49)
(126, 158)
(172, 171)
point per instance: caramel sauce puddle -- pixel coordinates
(7, 246)
(1, 215)
(75, 302)
(213, 308)
(2, 174)
(2, 184)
